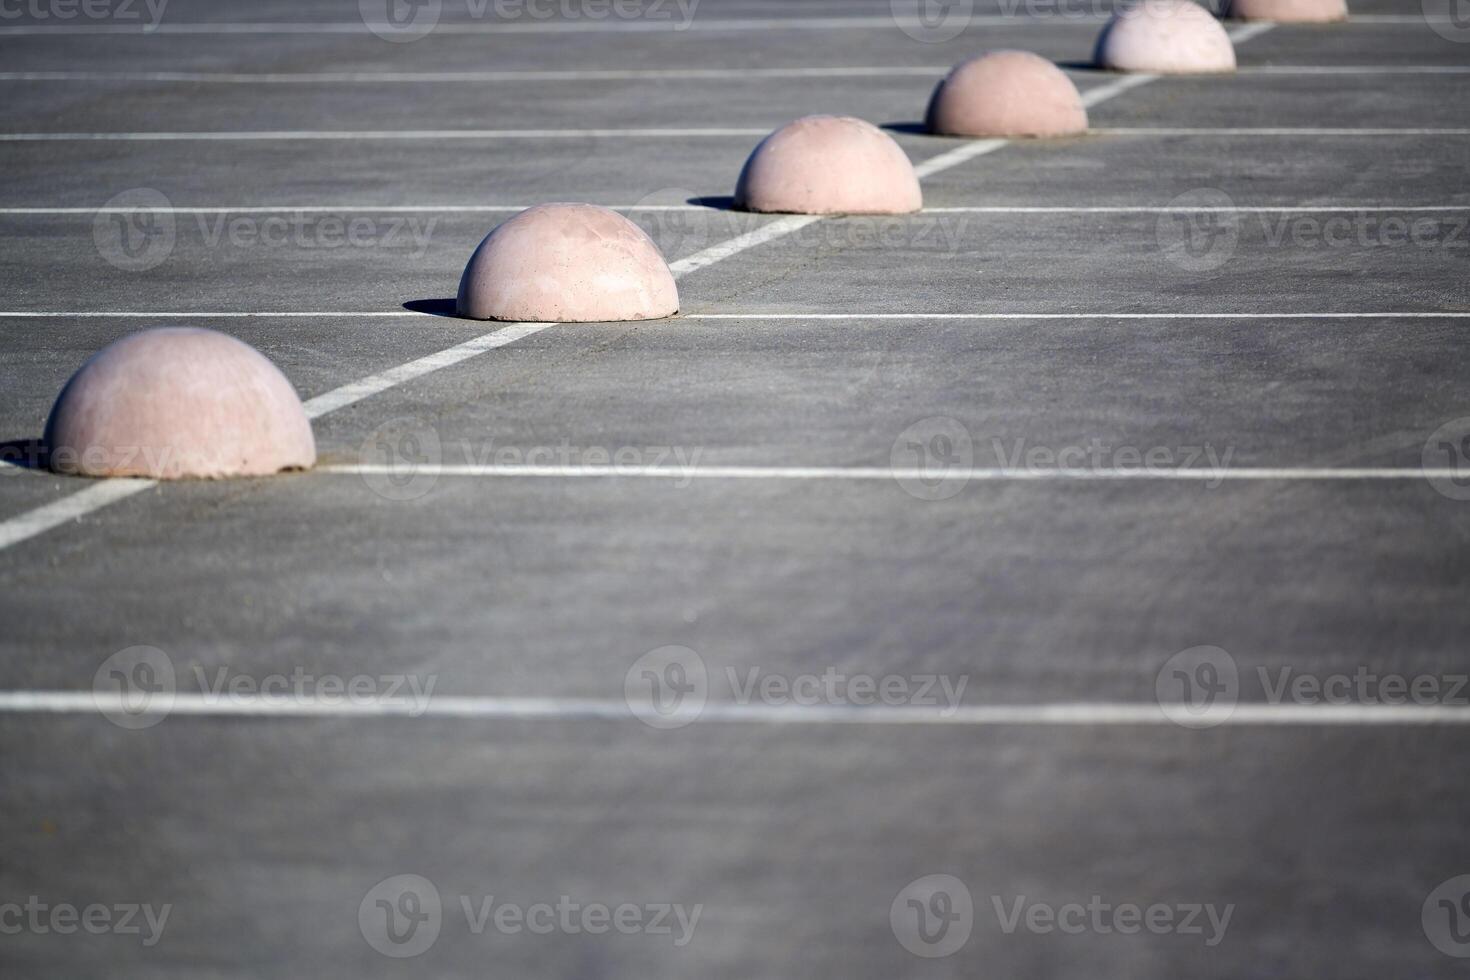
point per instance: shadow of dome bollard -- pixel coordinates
(1288, 11)
(828, 165)
(1006, 94)
(567, 263)
(174, 403)
(1167, 37)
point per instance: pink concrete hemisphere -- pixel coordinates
(178, 402)
(1290, 11)
(829, 165)
(567, 263)
(1006, 94)
(1172, 37)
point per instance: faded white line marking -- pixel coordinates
(628, 74)
(356, 391)
(699, 208)
(1051, 714)
(99, 494)
(884, 473)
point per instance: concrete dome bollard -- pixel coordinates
(178, 402)
(1006, 94)
(1173, 37)
(568, 263)
(829, 165)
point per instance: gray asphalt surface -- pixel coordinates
(266, 836)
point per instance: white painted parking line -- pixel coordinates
(953, 475)
(97, 495)
(196, 314)
(1047, 714)
(957, 156)
(1295, 131)
(724, 250)
(1168, 315)
(1177, 209)
(705, 209)
(629, 74)
(670, 25)
(461, 77)
(776, 229)
(356, 391)
(1353, 70)
(374, 383)
(969, 150)
(1087, 21)
(386, 134)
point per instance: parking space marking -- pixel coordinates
(952, 475)
(1088, 21)
(1046, 714)
(633, 74)
(70, 508)
(26, 525)
(706, 209)
(725, 250)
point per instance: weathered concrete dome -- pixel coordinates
(176, 402)
(1289, 11)
(829, 165)
(1165, 36)
(567, 263)
(1006, 94)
